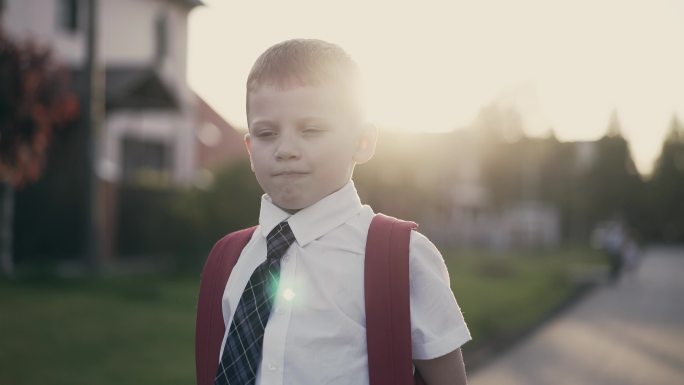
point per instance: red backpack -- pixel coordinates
(386, 287)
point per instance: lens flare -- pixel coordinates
(288, 294)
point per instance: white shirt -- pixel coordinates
(316, 332)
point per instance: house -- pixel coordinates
(142, 48)
(218, 142)
(154, 127)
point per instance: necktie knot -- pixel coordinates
(278, 241)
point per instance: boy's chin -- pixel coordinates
(289, 206)
(293, 201)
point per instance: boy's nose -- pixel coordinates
(288, 147)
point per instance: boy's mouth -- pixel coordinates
(289, 173)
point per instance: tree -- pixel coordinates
(667, 186)
(614, 128)
(36, 101)
(612, 185)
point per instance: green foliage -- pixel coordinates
(147, 225)
(184, 224)
(391, 187)
(611, 186)
(586, 188)
(664, 211)
(230, 203)
(35, 99)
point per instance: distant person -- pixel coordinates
(613, 239)
(293, 306)
(614, 245)
(631, 254)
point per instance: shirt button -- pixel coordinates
(271, 366)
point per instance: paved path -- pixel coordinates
(628, 333)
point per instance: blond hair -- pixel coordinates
(307, 62)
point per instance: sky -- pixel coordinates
(433, 65)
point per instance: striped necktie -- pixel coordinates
(242, 351)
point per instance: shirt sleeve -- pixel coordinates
(437, 324)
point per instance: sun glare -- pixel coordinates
(433, 66)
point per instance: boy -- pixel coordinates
(307, 130)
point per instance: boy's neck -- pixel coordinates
(289, 211)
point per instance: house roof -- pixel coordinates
(138, 88)
(230, 146)
(132, 88)
(188, 3)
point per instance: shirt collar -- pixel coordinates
(312, 222)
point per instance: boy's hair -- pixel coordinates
(307, 62)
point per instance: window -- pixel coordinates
(146, 162)
(161, 37)
(68, 12)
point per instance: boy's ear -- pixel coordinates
(366, 145)
(248, 144)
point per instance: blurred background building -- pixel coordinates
(162, 173)
(155, 132)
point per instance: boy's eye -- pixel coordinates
(265, 133)
(312, 129)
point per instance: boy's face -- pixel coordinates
(303, 144)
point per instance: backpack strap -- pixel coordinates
(210, 327)
(387, 302)
(387, 297)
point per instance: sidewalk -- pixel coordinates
(628, 333)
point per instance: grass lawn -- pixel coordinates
(503, 295)
(140, 330)
(112, 331)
